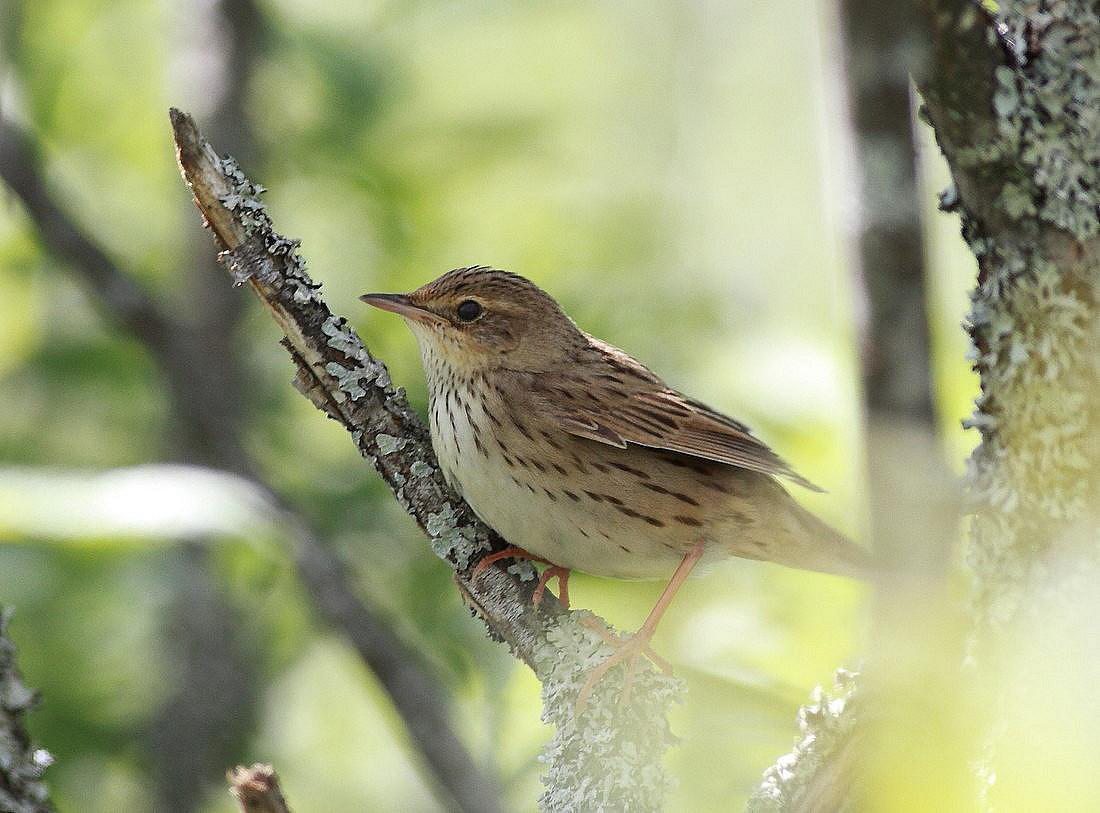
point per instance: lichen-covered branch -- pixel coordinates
(610, 756)
(881, 43)
(335, 371)
(21, 764)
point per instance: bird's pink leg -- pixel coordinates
(512, 552)
(630, 648)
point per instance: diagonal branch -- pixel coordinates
(415, 694)
(212, 700)
(608, 757)
(208, 426)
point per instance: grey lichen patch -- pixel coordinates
(610, 756)
(341, 337)
(1048, 111)
(301, 291)
(824, 724)
(451, 541)
(243, 198)
(353, 381)
(523, 570)
(421, 469)
(1016, 202)
(388, 444)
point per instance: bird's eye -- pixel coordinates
(469, 310)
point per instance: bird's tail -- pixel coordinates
(821, 547)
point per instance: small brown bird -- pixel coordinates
(584, 459)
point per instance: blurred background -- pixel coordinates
(668, 171)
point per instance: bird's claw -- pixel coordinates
(629, 649)
(512, 552)
(563, 585)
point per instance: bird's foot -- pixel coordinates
(513, 552)
(510, 552)
(563, 585)
(628, 649)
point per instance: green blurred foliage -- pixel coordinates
(658, 168)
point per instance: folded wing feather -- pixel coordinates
(631, 405)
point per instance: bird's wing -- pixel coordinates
(624, 403)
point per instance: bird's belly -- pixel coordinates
(551, 515)
(593, 541)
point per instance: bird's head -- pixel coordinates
(476, 319)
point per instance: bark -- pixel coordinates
(881, 42)
(21, 764)
(608, 757)
(907, 481)
(416, 695)
(208, 712)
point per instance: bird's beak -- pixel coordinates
(399, 304)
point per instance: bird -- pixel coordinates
(582, 458)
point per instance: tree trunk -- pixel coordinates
(1014, 98)
(1015, 103)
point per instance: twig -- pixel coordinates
(212, 438)
(256, 789)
